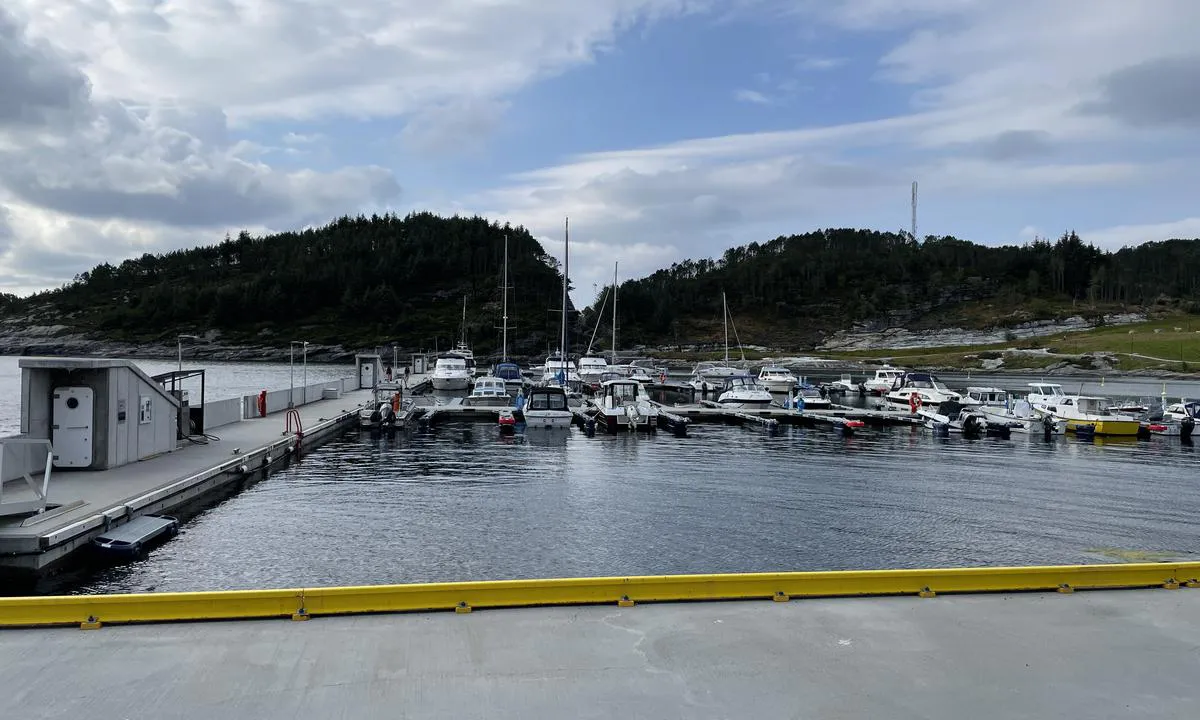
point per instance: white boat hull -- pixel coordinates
(548, 418)
(778, 386)
(450, 383)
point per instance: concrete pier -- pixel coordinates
(87, 502)
(1095, 654)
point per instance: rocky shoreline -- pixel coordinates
(899, 338)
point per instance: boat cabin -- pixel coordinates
(1087, 405)
(621, 392)
(920, 381)
(510, 372)
(547, 398)
(742, 382)
(775, 373)
(990, 396)
(489, 387)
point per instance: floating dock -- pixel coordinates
(82, 504)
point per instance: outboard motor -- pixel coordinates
(1186, 426)
(972, 426)
(1048, 427)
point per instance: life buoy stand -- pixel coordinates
(262, 404)
(914, 402)
(396, 402)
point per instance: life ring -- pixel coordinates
(914, 402)
(262, 404)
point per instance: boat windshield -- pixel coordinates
(548, 401)
(508, 371)
(623, 391)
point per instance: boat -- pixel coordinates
(546, 407)
(777, 379)
(488, 391)
(1082, 411)
(952, 416)
(623, 405)
(985, 397)
(920, 389)
(452, 372)
(1021, 418)
(386, 409)
(809, 397)
(591, 367)
(885, 377)
(558, 371)
(744, 391)
(843, 385)
(1181, 410)
(510, 373)
(645, 375)
(1044, 394)
(1156, 423)
(1134, 409)
(708, 376)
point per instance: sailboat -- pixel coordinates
(454, 370)
(547, 404)
(509, 372)
(710, 375)
(593, 368)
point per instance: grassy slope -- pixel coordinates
(1167, 343)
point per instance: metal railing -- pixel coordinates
(24, 451)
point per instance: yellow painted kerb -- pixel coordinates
(627, 591)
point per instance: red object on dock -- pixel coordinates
(262, 404)
(854, 424)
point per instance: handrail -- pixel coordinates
(301, 603)
(38, 504)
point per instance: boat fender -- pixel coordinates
(396, 402)
(262, 403)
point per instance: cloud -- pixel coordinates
(751, 96)
(1017, 145)
(453, 127)
(1114, 238)
(37, 87)
(1164, 91)
(820, 63)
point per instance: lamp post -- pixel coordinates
(292, 369)
(179, 347)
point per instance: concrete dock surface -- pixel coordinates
(1095, 654)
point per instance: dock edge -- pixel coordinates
(302, 603)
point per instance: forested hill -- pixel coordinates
(358, 282)
(787, 291)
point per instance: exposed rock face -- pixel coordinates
(899, 338)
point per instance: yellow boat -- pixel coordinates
(1082, 411)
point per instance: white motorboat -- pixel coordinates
(510, 373)
(744, 391)
(489, 391)
(920, 389)
(645, 375)
(623, 405)
(559, 371)
(1020, 416)
(452, 372)
(1181, 410)
(985, 396)
(777, 379)
(843, 385)
(953, 417)
(546, 407)
(1157, 422)
(1042, 395)
(591, 367)
(809, 397)
(885, 377)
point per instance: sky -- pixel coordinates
(664, 129)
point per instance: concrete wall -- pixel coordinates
(277, 400)
(222, 412)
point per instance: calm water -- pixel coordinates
(222, 381)
(463, 502)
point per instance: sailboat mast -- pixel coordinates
(464, 322)
(566, 270)
(614, 342)
(725, 311)
(504, 312)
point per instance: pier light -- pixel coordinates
(292, 371)
(179, 347)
